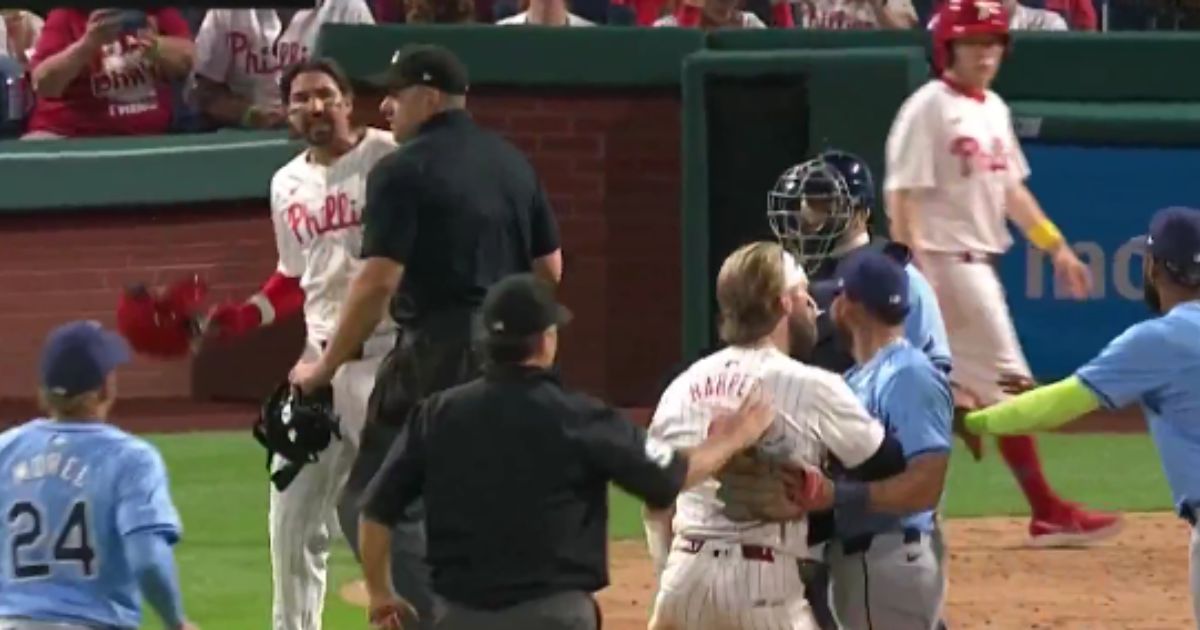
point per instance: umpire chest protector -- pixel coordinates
(297, 427)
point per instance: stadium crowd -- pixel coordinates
(74, 73)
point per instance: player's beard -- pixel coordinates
(319, 132)
(802, 336)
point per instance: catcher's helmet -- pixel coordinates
(297, 427)
(957, 19)
(813, 203)
(162, 323)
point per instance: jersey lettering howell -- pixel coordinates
(339, 212)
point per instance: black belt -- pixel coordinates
(976, 258)
(749, 552)
(358, 354)
(860, 544)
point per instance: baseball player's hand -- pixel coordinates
(752, 490)
(966, 401)
(1071, 273)
(310, 376)
(229, 320)
(1016, 384)
(391, 613)
(808, 488)
(749, 422)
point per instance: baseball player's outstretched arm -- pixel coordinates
(1043, 409)
(1024, 210)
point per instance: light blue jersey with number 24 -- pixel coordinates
(70, 494)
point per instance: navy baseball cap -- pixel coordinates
(521, 305)
(78, 356)
(424, 64)
(1174, 241)
(877, 281)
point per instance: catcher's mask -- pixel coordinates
(296, 427)
(813, 203)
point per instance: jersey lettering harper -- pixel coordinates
(248, 49)
(958, 153)
(71, 493)
(816, 413)
(317, 213)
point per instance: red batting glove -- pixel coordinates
(230, 320)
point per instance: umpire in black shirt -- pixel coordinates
(452, 211)
(514, 471)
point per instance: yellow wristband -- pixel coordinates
(1045, 236)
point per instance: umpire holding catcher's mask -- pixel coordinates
(514, 472)
(453, 210)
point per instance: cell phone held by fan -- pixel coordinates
(132, 20)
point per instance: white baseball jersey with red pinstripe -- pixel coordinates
(726, 574)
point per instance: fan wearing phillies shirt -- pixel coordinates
(107, 72)
(316, 209)
(241, 54)
(955, 177)
(846, 15)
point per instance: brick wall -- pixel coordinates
(66, 266)
(610, 163)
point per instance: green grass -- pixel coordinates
(219, 483)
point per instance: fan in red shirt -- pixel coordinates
(107, 72)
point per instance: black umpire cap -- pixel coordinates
(424, 64)
(521, 305)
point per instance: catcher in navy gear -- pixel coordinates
(820, 210)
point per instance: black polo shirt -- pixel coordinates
(460, 208)
(514, 472)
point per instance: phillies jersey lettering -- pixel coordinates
(317, 214)
(248, 49)
(956, 153)
(338, 212)
(816, 413)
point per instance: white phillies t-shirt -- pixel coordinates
(522, 18)
(1025, 18)
(747, 19)
(959, 155)
(317, 213)
(844, 15)
(816, 413)
(248, 49)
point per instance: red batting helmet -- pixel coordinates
(162, 324)
(963, 18)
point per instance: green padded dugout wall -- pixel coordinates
(844, 99)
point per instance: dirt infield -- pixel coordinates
(1137, 581)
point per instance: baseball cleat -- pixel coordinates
(1074, 526)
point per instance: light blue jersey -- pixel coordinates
(71, 493)
(1156, 363)
(924, 327)
(911, 397)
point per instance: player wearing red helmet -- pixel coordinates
(955, 177)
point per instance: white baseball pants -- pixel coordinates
(718, 588)
(983, 341)
(303, 518)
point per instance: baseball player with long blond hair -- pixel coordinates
(717, 572)
(955, 177)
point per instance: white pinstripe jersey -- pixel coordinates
(816, 413)
(317, 213)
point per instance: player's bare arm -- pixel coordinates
(658, 535)
(51, 77)
(219, 103)
(916, 489)
(360, 314)
(904, 223)
(549, 267)
(891, 18)
(1026, 212)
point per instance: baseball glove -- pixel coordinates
(753, 489)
